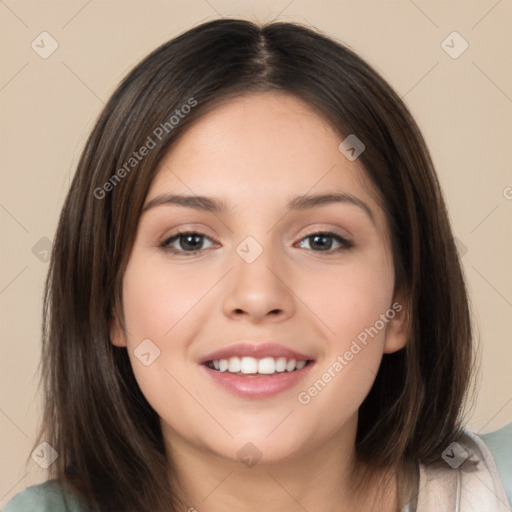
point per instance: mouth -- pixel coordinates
(256, 371)
(251, 366)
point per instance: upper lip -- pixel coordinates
(256, 350)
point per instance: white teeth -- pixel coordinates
(290, 365)
(300, 364)
(251, 365)
(234, 365)
(280, 364)
(267, 365)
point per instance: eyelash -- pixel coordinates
(345, 244)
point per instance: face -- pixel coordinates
(259, 313)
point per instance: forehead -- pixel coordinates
(261, 148)
(271, 128)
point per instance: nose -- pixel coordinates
(259, 291)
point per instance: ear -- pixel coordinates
(117, 335)
(398, 327)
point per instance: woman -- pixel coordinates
(255, 300)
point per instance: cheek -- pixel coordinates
(157, 299)
(351, 299)
(163, 306)
(354, 304)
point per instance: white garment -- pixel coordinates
(474, 486)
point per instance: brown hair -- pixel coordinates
(107, 436)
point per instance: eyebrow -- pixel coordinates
(214, 205)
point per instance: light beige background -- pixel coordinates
(463, 106)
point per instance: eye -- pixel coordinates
(186, 241)
(323, 242)
(191, 242)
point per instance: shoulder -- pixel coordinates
(46, 497)
(467, 477)
(499, 444)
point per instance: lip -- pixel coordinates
(256, 386)
(258, 351)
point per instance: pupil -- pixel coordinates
(325, 246)
(194, 244)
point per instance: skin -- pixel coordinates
(256, 152)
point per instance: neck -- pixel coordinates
(323, 477)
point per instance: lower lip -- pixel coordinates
(258, 386)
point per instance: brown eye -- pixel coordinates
(185, 242)
(324, 241)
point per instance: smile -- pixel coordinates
(251, 366)
(256, 370)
